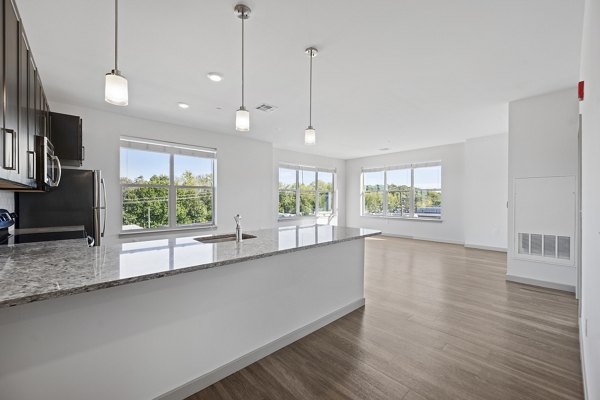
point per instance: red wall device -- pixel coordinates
(580, 90)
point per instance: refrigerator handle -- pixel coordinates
(105, 206)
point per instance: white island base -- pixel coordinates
(168, 338)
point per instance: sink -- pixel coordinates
(222, 238)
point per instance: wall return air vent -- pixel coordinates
(550, 246)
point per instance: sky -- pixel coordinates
(425, 177)
(136, 163)
(288, 177)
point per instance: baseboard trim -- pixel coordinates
(480, 247)
(581, 357)
(467, 245)
(423, 238)
(223, 371)
(536, 282)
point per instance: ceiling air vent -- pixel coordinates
(266, 108)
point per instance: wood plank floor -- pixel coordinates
(440, 322)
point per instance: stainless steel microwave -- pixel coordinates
(48, 165)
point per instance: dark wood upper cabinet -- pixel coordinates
(67, 138)
(24, 110)
(11, 67)
(3, 138)
(10, 130)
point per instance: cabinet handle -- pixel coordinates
(10, 148)
(30, 165)
(82, 153)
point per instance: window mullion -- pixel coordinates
(172, 193)
(316, 192)
(412, 192)
(297, 191)
(385, 193)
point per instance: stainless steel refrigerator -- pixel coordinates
(79, 200)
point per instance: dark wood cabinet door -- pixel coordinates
(31, 113)
(40, 99)
(26, 139)
(11, 89)
(3, 173)
(46, 117)
(66, 138)
(23, 93)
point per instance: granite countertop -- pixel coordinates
(38, 271)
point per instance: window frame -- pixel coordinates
(412, 215)
(317, 213)
(174, 149)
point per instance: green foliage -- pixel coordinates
(426, 198)
(148, 206)
(374, 188)
(287, 203)
(374, 203)
(398, 198)
(307, 205)
(325, 201)
(399, 203)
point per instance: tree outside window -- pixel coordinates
(165, 185)
(413, 191)
(305, 191)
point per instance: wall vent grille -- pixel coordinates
(266, 108)
(551, 246)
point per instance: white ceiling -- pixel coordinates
(389, 74)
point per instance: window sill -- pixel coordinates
(423, 219)
(167, 230)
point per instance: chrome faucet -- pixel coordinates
(238, 228)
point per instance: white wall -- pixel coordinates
(543, 142)
(451, 229)
(244, 168)
(291, 157)
(590, 109)
(486, 193)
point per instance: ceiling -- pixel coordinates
(389, 74)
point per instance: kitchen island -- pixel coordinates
(165, 318)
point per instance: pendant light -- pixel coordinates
(310, 134)
(242, 116)
(115, 88)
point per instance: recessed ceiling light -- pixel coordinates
(183, 105)
(215, 77)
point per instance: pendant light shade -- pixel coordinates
(310, 134)
(115, 87)
(242, 120)
(242, 116)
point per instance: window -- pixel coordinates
(412, 191)
(305, 191)
(166, 185)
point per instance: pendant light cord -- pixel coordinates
(243, 17)
(310, 91)
(116, 32)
